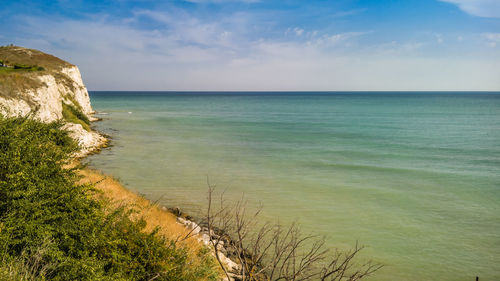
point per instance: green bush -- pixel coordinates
(74, 115)
(22, 66)
(19, 66)
(54, 229)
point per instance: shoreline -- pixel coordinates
(170, 222)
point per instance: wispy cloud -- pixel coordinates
(195, 54)
(174, 48)
(481, 8)
(439, 38)
(298, 31)
(335, 39)
(491, 38)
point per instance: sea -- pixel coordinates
(412, 176)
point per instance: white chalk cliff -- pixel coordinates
(41, 94)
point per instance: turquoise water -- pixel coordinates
(413, 176)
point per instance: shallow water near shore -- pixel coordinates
(413, 176)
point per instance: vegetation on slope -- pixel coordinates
(73, 114)
(52, 228)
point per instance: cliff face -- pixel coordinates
(46, 88)
(45, 101)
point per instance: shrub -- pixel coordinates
(22, 66)
(75, 115)
(46, 217)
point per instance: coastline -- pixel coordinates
(112, 191)
(169, 222)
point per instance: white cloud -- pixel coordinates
(298, 31)
(327, 41)
(439, 38)
(480, 8)
(195, 54)
(491, 38)
(397, 49)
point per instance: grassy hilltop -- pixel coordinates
(22, 67)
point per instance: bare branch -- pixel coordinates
(273, 252)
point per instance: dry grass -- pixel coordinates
(12, 83)
(153, 214)
(19, 55)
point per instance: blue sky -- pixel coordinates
(266, 45)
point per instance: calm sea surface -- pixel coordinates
(413, 176)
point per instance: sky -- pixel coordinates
(266, 45)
